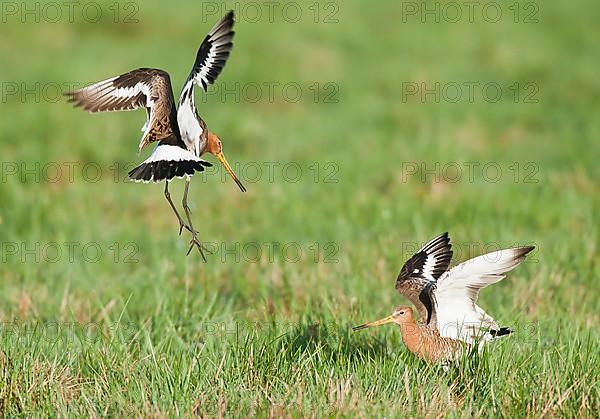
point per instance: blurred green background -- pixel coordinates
(361, 130)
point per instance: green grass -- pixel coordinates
(141, 329)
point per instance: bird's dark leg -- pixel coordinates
(186, 208)
(181, 222)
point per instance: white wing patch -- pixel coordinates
(130, 92)
(201, 77)
(127, 92)
(104, 97)
(428, 266)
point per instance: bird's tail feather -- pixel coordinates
(493, 335)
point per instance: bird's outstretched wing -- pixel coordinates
(420, 273)
(212, 54)
(147, 88)
(210, 60)
(457, 314)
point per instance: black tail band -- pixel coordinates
(157, 171)
(502, 332)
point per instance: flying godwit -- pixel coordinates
(181, 134)
(450, 321)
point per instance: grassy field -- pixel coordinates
(361, 130)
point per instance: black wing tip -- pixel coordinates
(522, 252)
(226, 21)
(445, 236)
(526, 249)
(438, 243)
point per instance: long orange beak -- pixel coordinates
(227, 167)
(388, 319)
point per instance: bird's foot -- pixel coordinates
(199, 245)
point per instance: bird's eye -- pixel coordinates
(402, 312)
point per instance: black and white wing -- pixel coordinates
(147, 88)
(210, 60)
(457, 313)
(213, 53)
(419, 274)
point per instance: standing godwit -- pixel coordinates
(181, 134)
(450, 321)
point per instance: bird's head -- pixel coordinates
(400, 315)
(215, 147)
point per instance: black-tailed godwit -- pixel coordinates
(182, 136)
(450, 321)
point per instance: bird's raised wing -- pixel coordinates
(210, 60)
(420, 273)
(147, 88)
(212, 54)
(458, 315)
